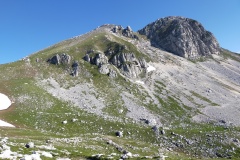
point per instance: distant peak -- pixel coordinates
(181, 36)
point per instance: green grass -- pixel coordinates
(228, 54)
(204, 98)
(38, 115)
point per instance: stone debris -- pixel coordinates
(29, 145)
(119, 133)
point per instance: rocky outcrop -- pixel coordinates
(127, 63)
(127, 32)
(181, 36)
(60, 59)
(65, 59)
(100, 59)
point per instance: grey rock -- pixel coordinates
(236, 140)
(65, 58)
(181, 36)
(29, 145)
(87, 58)
(127, 32)
(100, 59)
(104, 69)
(60, 59)
(75, 69)
(119, 133)
(117, 29)
(162, 131)
(112, 74)
(129, 64)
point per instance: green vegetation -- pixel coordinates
(228, 54)
(38, 115)
(204, 98)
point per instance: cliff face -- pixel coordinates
(181, 36)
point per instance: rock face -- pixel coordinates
(182, 36)
(129, 64)
(127, 32)
(117, 55)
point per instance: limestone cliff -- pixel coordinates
(181, 36)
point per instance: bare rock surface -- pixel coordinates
(182, 36)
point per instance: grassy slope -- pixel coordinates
(36, 112)
(39, 115)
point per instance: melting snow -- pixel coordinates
(151, 68)
(5, 124)
(4, 104)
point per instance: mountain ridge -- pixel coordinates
(170, 106)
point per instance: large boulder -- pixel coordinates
(181, 36)
(60, 59)
(100, 59)
(104, 69)
(75, 69)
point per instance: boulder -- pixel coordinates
(104, 69)
(65, 58)
(87, 58)
(100, 59)
(119, 133)
(29, 145)
(75, 68)
(112, 73)
(60, 59)
(64, 122)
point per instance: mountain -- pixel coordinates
(182, 36)
(114, 93)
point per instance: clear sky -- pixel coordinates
(27, 26)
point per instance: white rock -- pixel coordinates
(64, 122)
(74, 120)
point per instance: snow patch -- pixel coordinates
(4, 104)
(150, 68)
(140, 82)
(4, 101)
(5, 124)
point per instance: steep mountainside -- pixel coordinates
(112, 93)
(182, 36)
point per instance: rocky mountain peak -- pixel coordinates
(181, 36)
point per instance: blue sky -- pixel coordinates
(28, 26)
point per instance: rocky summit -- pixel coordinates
(181, 36)
(113, 93)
